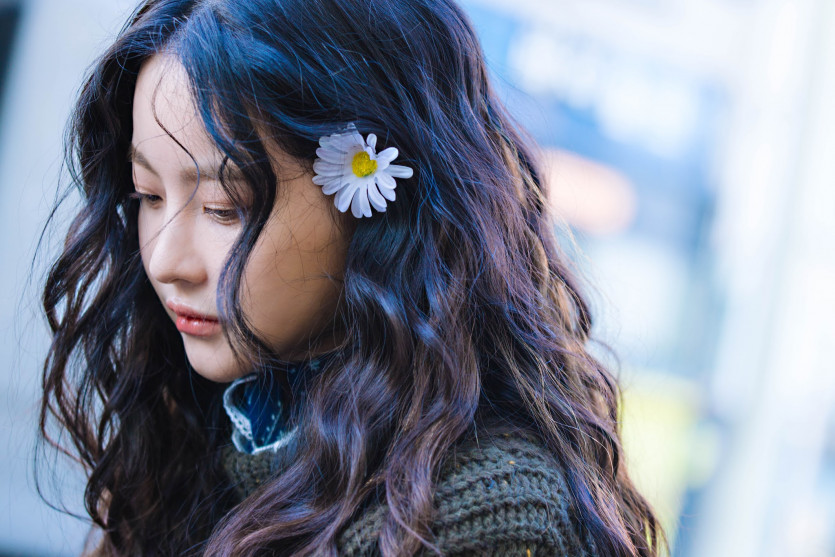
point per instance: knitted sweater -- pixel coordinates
(504, 495)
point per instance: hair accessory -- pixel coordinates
(350, 166)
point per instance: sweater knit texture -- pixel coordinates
(500, 495)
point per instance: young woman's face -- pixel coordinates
(185, 234)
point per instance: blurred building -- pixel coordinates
(688, 143)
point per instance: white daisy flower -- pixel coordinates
(361, 177)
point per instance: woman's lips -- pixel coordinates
(192, 322)
(196, 326)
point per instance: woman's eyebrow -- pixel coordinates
(231, 172)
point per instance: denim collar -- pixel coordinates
(253, 404)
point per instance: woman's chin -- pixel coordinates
(214, 363)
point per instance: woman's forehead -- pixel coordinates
(165, 117)
(162, 89)
(169, 138)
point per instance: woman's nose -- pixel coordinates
(174, 257)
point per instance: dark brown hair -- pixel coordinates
(461, 311)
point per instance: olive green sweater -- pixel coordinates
(503, 495)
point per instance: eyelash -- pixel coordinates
(146, 197)
(223, 216)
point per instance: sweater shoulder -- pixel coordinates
(500, 495)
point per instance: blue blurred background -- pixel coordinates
(690, 146)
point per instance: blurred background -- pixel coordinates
(690, 145)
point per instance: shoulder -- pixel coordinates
(506, 494)
(498, 495)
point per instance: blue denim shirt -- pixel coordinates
(253, 404)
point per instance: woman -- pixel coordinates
(246, 366)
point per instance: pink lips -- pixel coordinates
(193, 322)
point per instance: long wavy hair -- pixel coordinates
(460, 309)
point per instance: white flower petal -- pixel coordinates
(365, 201)
(359, 203)
(387, 193)
(355, 208)
(324, 167)
(333, 185)
(324, 163)
(372, 141)
(333, 143)
(337, 143)
(399, 171)
(325, 176)
(348, 142)
(385, 180)
(341, 200)
(344, 196)
(376, 199)
(387, 155)
(382, 166)
(331, 155)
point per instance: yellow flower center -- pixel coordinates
(362, 164)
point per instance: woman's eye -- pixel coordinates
(222, 215)
(146, 198)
